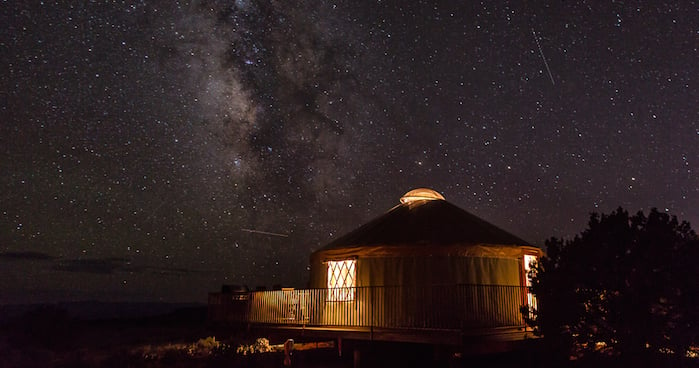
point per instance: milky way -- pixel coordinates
(141, 140)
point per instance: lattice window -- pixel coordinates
(342, 276)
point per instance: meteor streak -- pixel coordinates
(541, 52)
(264, 232)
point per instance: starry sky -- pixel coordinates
(156, 150)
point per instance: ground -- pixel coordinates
(189, 342)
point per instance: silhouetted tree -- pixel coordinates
(627, 286)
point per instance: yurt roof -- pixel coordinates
(425, 218)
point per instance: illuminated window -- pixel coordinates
(341, 280)
(529, 260)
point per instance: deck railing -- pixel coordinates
(415, 307)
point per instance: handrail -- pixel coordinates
(454, 307)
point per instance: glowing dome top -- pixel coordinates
(420, 194)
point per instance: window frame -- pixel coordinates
(530, 299)
(346, 290)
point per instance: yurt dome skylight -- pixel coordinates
(420, 194)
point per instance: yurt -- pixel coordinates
(424, 263)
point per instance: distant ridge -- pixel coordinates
(96, 310)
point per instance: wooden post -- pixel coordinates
(357, 357)
(288, 347)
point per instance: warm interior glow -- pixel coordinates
(420, 194)
(528, 261)
(341, 280)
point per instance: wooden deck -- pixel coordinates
(423, 336)
(452, 315)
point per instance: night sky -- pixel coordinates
(141, 141)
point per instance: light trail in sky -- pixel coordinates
(264, 232)
(541, 52)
